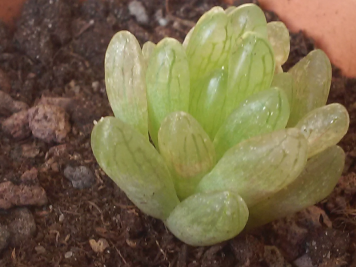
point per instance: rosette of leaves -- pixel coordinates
(236, 141)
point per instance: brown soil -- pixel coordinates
(52, 67)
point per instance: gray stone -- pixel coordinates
(81, 177)
(137, 10)
(22, 226)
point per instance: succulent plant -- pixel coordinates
(235, 141)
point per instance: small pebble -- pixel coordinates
(40, 249)
(7, 103)
(22, 226)
(17, 125)
(21, 195)
(49, 123)
(68, 254)
(30, 176)
(81, 177)
(61, 218)
(137, 10)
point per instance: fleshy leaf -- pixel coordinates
(208, 218)
(251, 69)
(187, 150)
(264, 112)
(168, 85)
(147, 51)
(207, 101)
(187, 38)
(260, 166)
(125, 81)
(135, 166)
(324, 127)
(209, 43)
(278, 69)
(229, 9)
(285, 82)
(315, 183)
(312, 76)
(278, 36)
(247, 18)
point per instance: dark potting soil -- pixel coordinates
(58, 208)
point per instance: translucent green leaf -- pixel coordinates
(278, 36)
(187, 38)
(278, 69)
(209, 43)
(251, 69)
(147, 50)
(264, 112)
(208, 218)
(285, 82)
(229, 9)
(135, 166)
(246, 18)
(168, 84)
(324, 127)
(207, 101)
(125, 80)
(260, 166)
(312, 76)
(187, 150)
(315, 183)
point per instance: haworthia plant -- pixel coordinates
(312, 79)
(246, 18)
(235, 138)
(208, 100)
(261, 113)
(278, 36)
(208, 218)
(147, 51)
(125, 80)
(324, 127)
(314, 184)
(135, 166)
(168, 85)
(251, 69)
(208, 44)
(256, 162)
(285, 82)
(187, 150)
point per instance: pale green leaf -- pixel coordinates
(229, 9)
(324, 127)
(314, 184)
(168, 86)
(312, 77)
(205, 219)
(135, 166)
(209, 43)
(278, 36)
(264, 112)
(187, 150)
(187, 38)
(147, 51)
(246, 18)
(251, 69)
(260, 166)
(125, 80)
(207, 100)
(285, 82)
